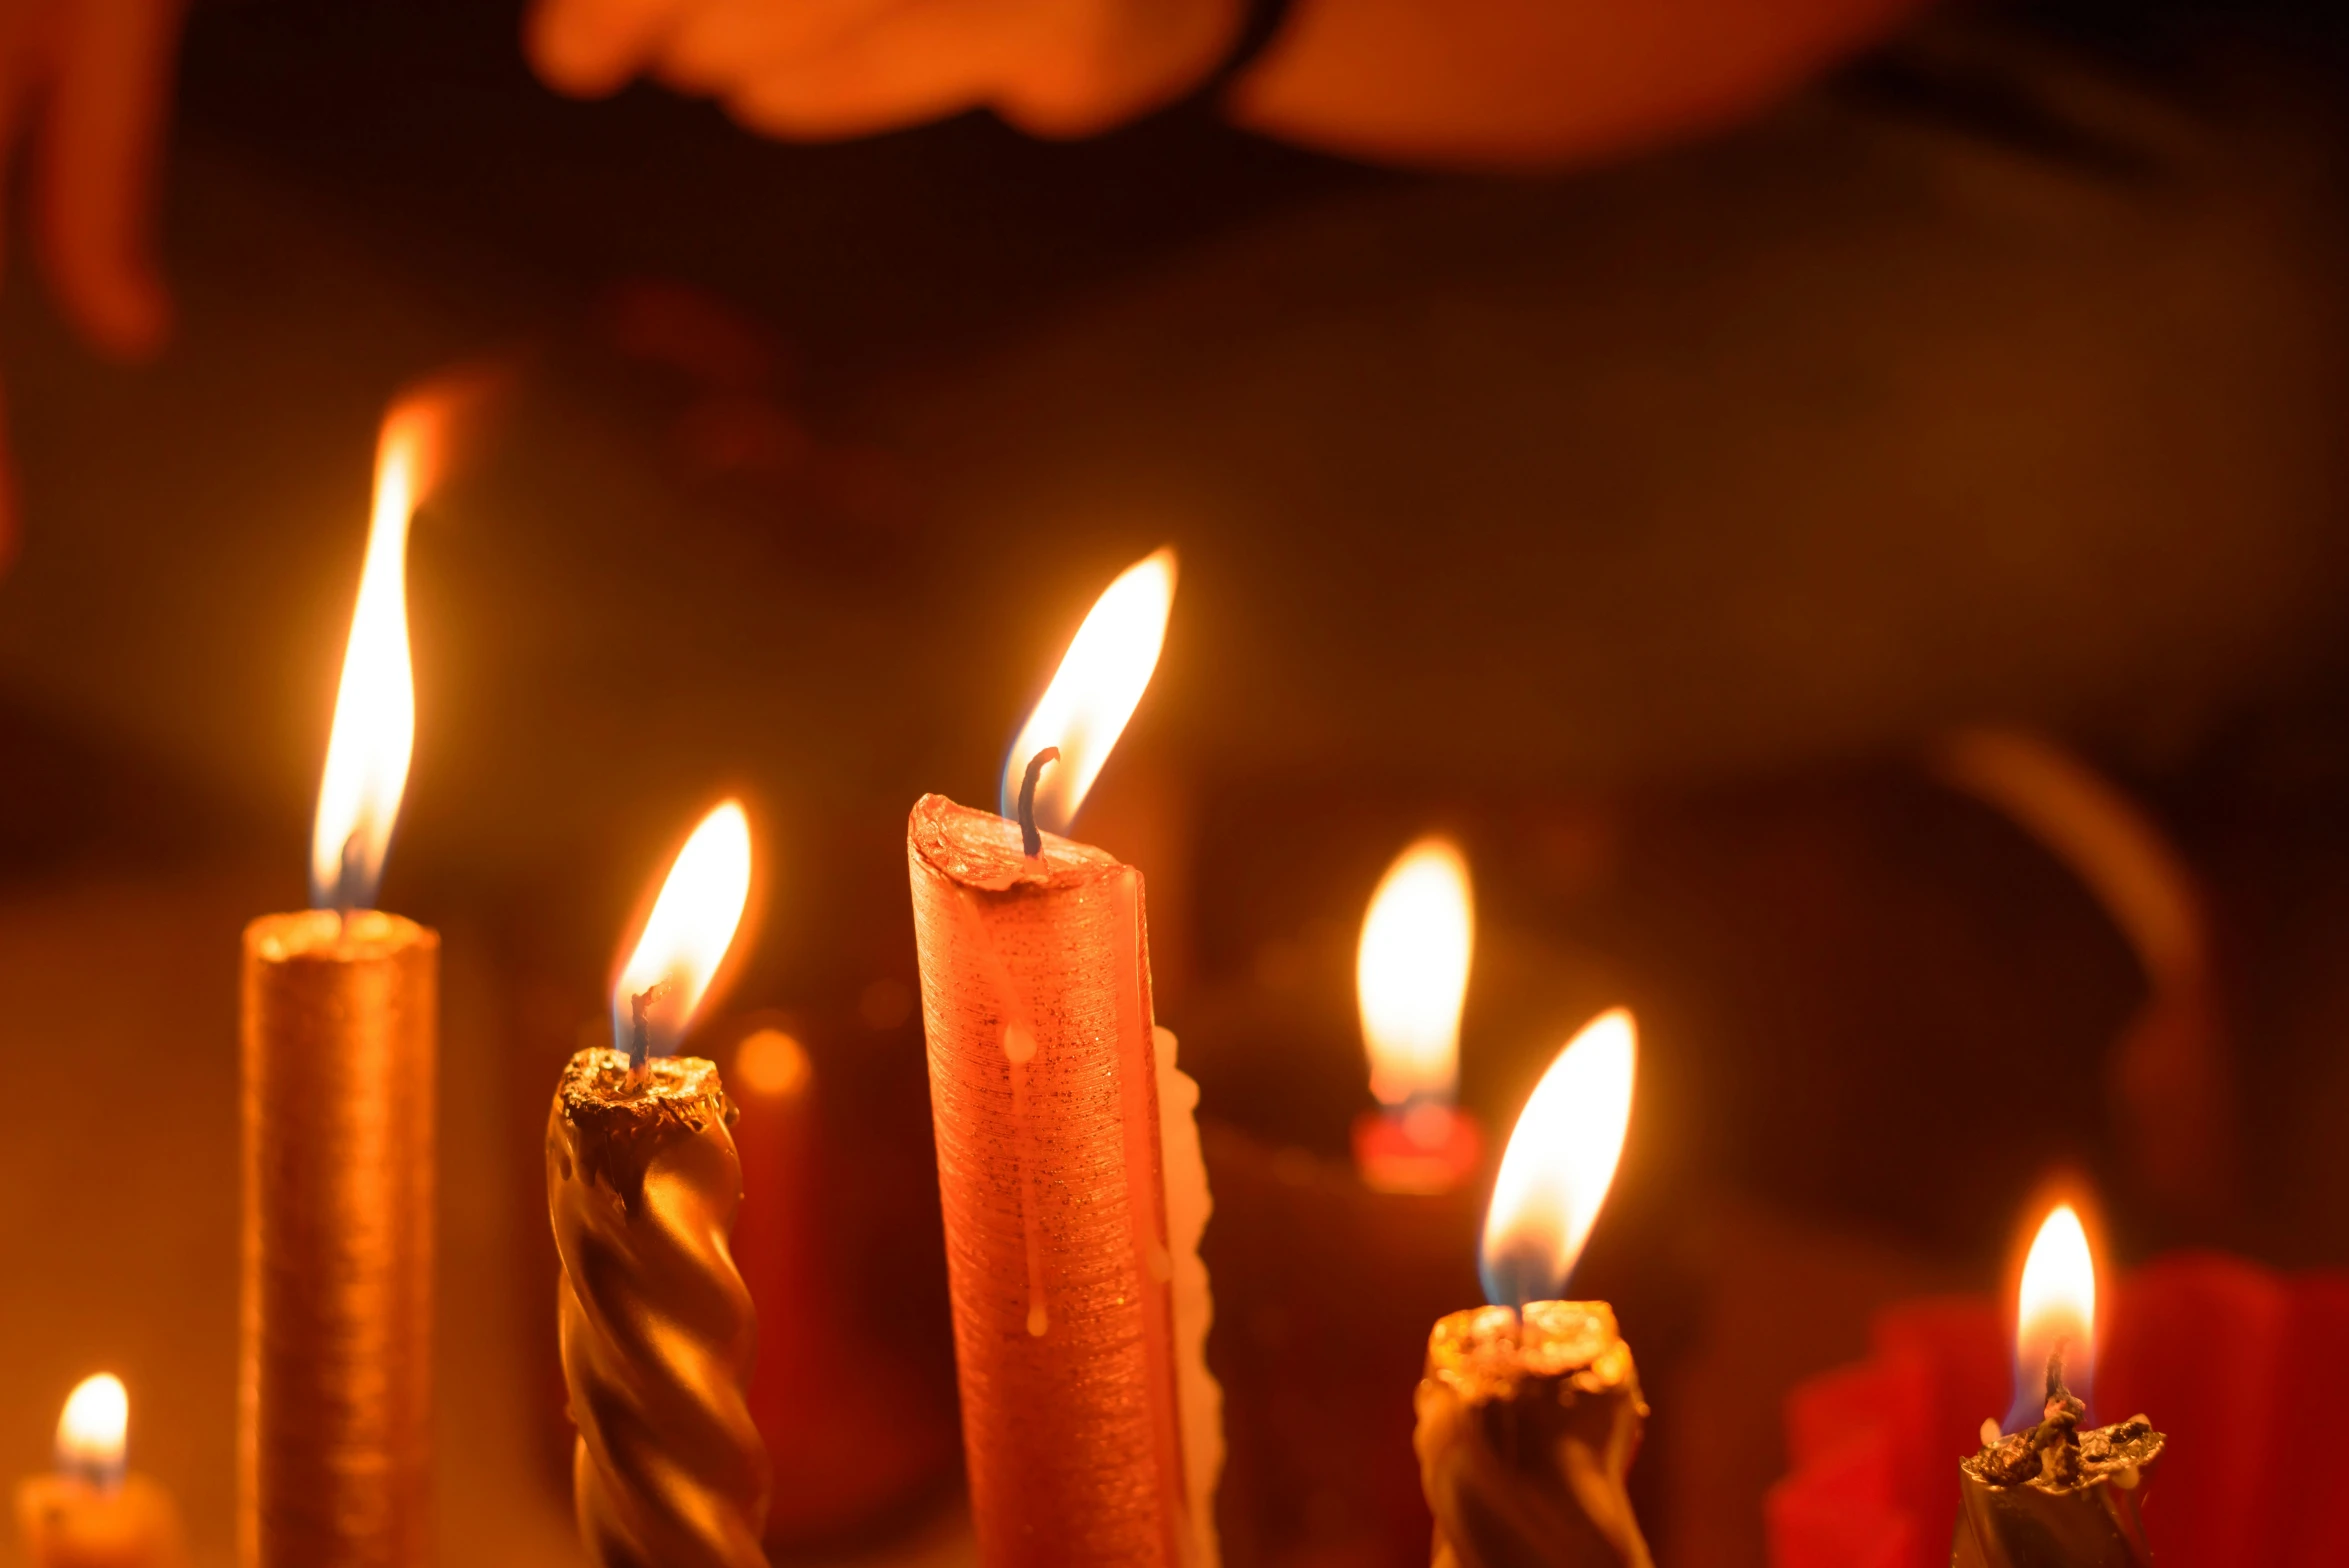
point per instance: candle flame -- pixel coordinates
(1093, 693)
(687, 934)
(92, 1430)
(1411, 973)
(1559, 1163)
(2055, 1316)
(375, 707)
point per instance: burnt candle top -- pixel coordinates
(1487, 1353)
(982, 850)
(621, 1125)
(323, 936)
(2119, 1453)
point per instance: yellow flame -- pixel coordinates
(92, 1431)
(1411, 973)
(375, 707)
(686, 936)
(1093, 693)
(1560, 1161)
(2055, 1313)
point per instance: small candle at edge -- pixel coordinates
(92, 1511)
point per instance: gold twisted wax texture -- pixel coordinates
(1527, 1428)
(657, 1326)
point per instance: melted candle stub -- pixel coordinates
(1527, 1428)
(658, 1332)
(2053, 1496)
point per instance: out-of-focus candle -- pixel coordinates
(339, 1036)
(658, 1332)
(851, 1431)
(1410, 981)
(1068, 1162)
(2046, 1493)
(1530, 1411)
(93, 1512)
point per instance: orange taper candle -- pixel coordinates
(339, 1032)
(1091, 1429)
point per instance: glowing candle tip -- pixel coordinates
(2055, 1319)
(92, 1430)
(1559, 1164)
(1094, 692)
(1411, 974)
(685, 938)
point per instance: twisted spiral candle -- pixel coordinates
(1527, 1425)
(657, 1327)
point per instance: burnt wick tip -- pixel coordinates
(640, 1032)
(1031, 841)
(346, 882)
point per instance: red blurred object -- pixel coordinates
(1426, 1149)
(2245, 1369)
(852, 1434)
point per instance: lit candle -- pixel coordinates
(1068, 1157)
(2047, 1494)
(1530, 1410)
(642, 1184)
(339, 1034)
(93, 1512)
(1410, 980)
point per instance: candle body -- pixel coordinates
(657, 1329)
(1046, 1098)
(2013, 1512)
(335, 1388)
(1527, 1428)
(68, 1523)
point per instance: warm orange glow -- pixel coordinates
(375, 707)
(1560, 1161)
(91, 1433)
(770, 1063)
(1411, 973)
(2055, 1315)
(686, 936)
(1093, 693)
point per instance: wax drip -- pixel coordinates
(1031, 841)
(640, 1032)
(1019, 1050)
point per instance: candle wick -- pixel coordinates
(346, 882)
(1032, 841)
(640, 1034)
(2055, 1374)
